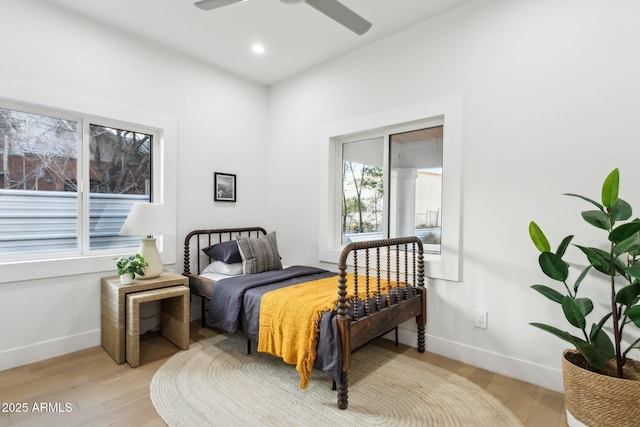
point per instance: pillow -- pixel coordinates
(259, 254)
(226, 252)
(224, 268)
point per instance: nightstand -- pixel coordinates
(113, 305)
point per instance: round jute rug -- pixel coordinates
(216, 383)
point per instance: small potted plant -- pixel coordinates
(129, 267)
(601, 381)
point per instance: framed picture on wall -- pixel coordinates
(224, 187)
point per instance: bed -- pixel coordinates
(379, 285)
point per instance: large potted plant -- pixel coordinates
(602, 384)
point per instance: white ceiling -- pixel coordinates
(296, 37)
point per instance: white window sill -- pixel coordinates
(47, 268)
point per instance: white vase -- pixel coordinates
(573, 422)
(126, 279)
(149, 252)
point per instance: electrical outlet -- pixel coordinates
(480, 319)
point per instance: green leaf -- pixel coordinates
(555, 331)
(628, 294)
(590, 352)
(621, 211)
(601, 260)
(601, 323)
(553, 266)
(634, 315)
(574, 311)
(538, 237)
(597, 219)
(598, 205)
(550, 293)
(610, 188)
(602, 341)
(563, 246)
(584, 305)
(629, 245)
(580, 278)
(633, 272)
(624, 231)
(598, 258)
(620, 266)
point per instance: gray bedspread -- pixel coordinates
(235, 307)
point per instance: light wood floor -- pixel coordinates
(88, 388)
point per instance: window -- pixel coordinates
(415, 187)
(68, 182)
(362, 215)
(392, 184)
(430, 185)
(119, 175)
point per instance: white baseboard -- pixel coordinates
(499, 363)
(46, 349)
(504, 365)
(36, 352)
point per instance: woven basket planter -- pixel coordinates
(599, 400)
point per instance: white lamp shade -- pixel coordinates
(147, 219)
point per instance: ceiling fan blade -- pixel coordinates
(215, 4)
(341, 14)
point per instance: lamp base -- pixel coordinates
(149, 252)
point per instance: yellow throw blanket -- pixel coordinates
(289, 318)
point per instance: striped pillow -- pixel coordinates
(259, 254)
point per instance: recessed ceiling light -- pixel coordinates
(257, 48)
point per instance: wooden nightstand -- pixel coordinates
(113, 303)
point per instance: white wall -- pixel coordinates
(550, 97)
(550, 101)
(68, 61)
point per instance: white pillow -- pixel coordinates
(224, 268)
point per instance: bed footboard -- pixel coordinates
(372, 262)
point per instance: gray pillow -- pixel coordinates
(226, 252)
(259, 254)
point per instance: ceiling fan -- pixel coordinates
(331, 8)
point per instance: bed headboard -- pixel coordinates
(200, 239)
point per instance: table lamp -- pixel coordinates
(147, 219)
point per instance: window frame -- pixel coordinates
(164, 175)
(447, 110)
